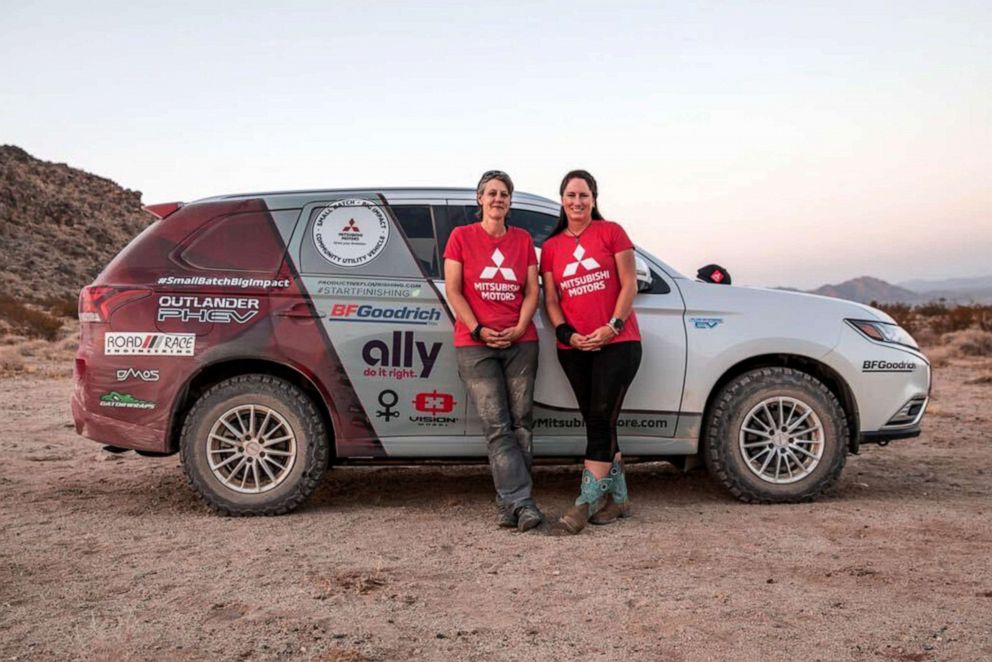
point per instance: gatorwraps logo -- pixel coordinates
(149, 344)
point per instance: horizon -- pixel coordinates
(795, 145)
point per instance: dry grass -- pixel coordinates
(21, 355)
(28, 320)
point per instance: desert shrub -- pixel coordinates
(969, 342)
(30, 322)
(900, 312)
(65, 305)
(10, 360)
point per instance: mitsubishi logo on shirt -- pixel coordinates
(490, 272)
(587, 263)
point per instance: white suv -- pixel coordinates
(267, 335)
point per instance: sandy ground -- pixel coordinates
(112, 557)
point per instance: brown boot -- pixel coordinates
(588, 504)
(617, 503)
(611, 512)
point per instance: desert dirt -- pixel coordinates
(112, 557)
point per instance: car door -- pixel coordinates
(367, 264)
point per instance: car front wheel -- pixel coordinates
(776, 435)
(254, 445)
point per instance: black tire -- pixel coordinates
(725, 457)
(298, 413)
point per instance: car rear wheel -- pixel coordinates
(254, 445)
(776, 435)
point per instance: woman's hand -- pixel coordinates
(494, 339)
(512, 333)
(595, 340)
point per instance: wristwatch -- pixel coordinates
(616, 324)
(477, 333)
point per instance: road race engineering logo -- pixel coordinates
(889, 366)
(592, 281)
(222, 310)
(124, 374)
(226, 281)
(124, 401)
(149, 344)
(350, 233)
(587, 263)
(354, 312)
(402, 357)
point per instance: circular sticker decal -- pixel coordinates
(350, 233)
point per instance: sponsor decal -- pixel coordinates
(889, 366)
(226, 281)
(124, 374)
(497, 268)
(149, 344)
(354, 312)
(397, 359)
(434, 403)
(362, 288)
(222, 310)
(124, 401)
(568, 422)
(388, 399)
(706, 322)
(350, 233)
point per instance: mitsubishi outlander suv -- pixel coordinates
(265, 336)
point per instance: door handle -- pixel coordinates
(298, 311)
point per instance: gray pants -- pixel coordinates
(501, 383)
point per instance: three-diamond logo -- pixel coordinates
(490, 272)
(351, 227)
(588, 263)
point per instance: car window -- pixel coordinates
(418, 226)
(239, 242)
(538, 224)
(658, 284)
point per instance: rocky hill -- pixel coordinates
(867, 289)
(59, 226)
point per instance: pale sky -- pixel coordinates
(794, 143)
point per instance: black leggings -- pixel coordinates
(600, 380)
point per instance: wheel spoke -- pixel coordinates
(234, 472)
(760, 433)
(781, 414)
(251, 420)
(265, 422)
(799, 421)
(778, 464)
(230, 427)
(771, 419)
(223, 440)
(799, 464)
(272, 451)
(277, 440)
(754, 444)
(788, 464)
(768, 460)
(264, 461)
(227, 461)
(803, 451)
(254, 471)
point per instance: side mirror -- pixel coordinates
(644, 280)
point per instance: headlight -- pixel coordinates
(884, 332)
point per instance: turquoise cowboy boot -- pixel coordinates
(617, 503)
(590, 501)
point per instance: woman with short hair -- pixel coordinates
(490, 277)
(589, 285)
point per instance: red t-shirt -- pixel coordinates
(494, 272)
(586, 277)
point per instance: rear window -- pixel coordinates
(240, 242)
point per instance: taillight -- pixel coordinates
(97, 302)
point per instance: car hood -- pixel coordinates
(732, 299)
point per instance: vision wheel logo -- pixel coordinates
(434, 403)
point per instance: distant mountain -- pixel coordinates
(867, 289)
(947, 284)
(59, 226)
